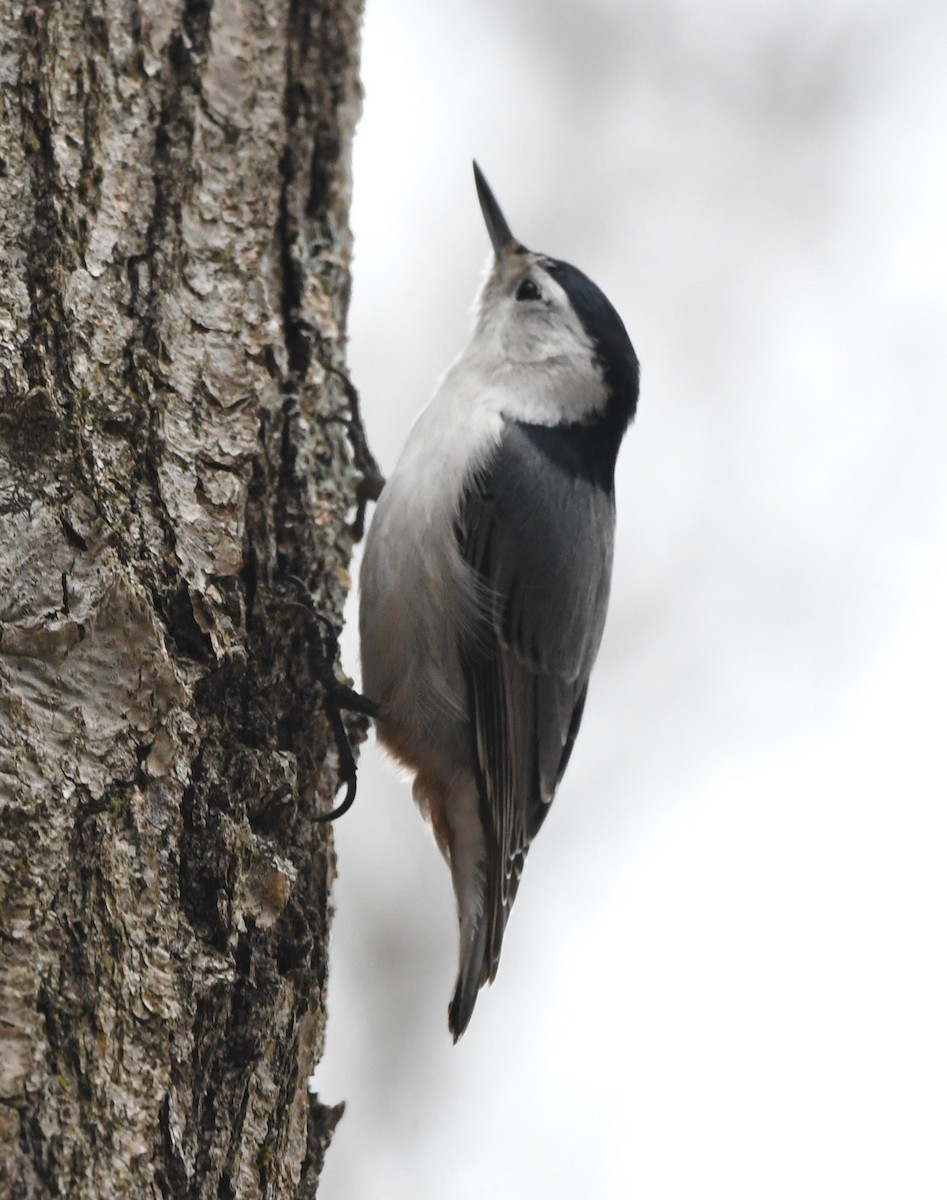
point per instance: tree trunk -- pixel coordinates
(176, 443)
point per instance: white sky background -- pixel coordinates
(726, 972)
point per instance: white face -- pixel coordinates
(532, 341)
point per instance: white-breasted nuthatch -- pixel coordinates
(486, 575)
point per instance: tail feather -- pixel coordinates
(483, 905)
(472, 976)
(481, 939)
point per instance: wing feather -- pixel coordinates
(539, 540)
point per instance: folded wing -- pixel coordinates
(536, 528)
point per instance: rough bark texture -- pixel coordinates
(175, 442)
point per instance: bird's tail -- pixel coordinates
(472, 974)
(481, 939)
(455, 816)
(470, 870)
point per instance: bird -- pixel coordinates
(486, 574)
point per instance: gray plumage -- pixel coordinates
(486, 573)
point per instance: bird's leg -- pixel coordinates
(339, 698)
(372, 481)
(368, 490)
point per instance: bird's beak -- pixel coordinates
(497, 227)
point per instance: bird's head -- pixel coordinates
(542, 319)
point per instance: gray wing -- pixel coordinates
(539, 538)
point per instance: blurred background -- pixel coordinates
(726, 971)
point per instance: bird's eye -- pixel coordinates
(528, 291)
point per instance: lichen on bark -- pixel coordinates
(175, 451)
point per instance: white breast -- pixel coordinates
(416, 590)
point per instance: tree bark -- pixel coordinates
(177, 442)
